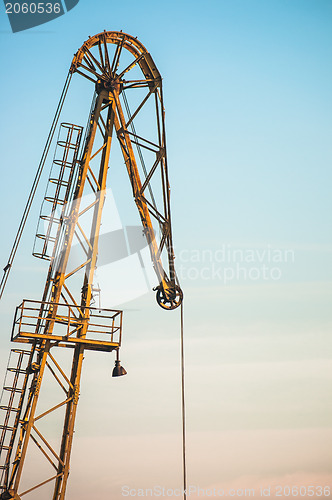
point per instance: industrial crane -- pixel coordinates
(117, 64)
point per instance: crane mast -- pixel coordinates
(64, 317)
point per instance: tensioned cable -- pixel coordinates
(41, 165)
(183, 407)
(138, 148)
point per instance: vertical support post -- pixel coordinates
(69, 422)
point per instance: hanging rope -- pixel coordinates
(183, 406)
(27, 208)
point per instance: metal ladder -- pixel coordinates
(59, 190)
(11, 399)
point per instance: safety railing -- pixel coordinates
(67, 324)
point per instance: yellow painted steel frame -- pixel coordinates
(60, 320)
(107, 74)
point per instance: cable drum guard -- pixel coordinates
(173, 298)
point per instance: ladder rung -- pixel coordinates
(16, 370)
(9, 408)
(48, 239)
(5, 448)
(51, 218)
(59, 182)
(62, 163)
(12, 389)
(21, 350)
(7, 427)
(41, 256)
(56, 201)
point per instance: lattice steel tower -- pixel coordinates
(117, 64)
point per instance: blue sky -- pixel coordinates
(247, 88)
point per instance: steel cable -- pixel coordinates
(183, 408)
(32, 193)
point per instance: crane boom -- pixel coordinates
(64, 317)
(106, 76)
